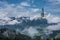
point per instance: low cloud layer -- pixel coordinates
(31, 31)
(54, 27)
(53, 19)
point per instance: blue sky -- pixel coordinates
(29, 7)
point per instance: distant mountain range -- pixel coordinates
(25, 21)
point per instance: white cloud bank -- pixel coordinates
(12, 22)
(54, 27)
(53, 19)
(31, 31)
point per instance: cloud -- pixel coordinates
(54, 27)
(25, 4)
(12, 22)
(52, 18)
(35, 9)
(54, 2)
(53, 10)
(18, 10)
(56, 10)
(31, 31)
(35, 17)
